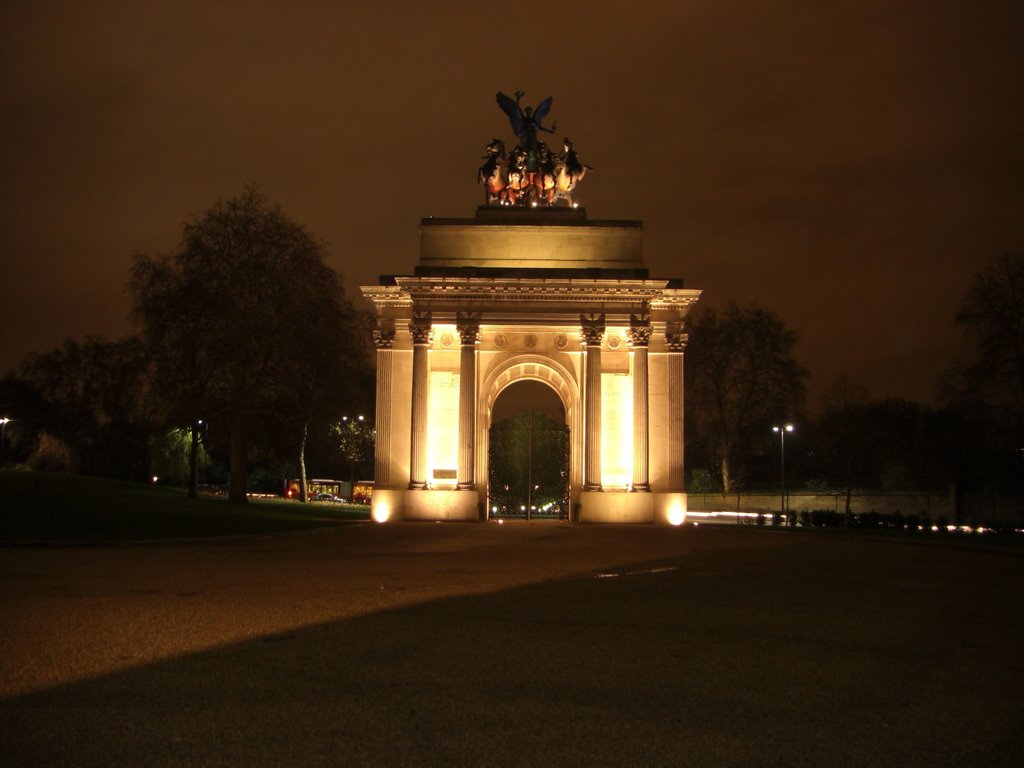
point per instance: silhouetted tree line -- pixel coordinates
(247, 347)
(248, 353)
(82, 406)
(742, 378)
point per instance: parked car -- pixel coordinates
(327, 497)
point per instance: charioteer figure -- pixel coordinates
(526, 121)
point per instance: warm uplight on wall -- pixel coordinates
(443, 429)
(616, 430)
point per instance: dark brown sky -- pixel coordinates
(847, 164)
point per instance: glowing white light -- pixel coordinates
(381, 512)
(676, 514)
(155, 478)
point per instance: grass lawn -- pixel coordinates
(53, 507)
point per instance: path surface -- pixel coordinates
(521, 644)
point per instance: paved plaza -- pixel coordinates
(517, 644)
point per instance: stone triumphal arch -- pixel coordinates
(522, 293)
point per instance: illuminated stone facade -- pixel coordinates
(545, 295)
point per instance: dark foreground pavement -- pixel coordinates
(513, 645)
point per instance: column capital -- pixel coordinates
(592, 329)
(639, 330)
(677, 341)
(383, 338)
(421, 329)
(676, 337)
(468, 326)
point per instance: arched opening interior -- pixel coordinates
(528, 454)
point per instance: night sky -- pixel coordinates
(849, 165)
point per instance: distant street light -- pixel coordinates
(3, 440)
(203, 439)
(782, 459)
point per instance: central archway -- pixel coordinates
(528, 454)
(558, 380)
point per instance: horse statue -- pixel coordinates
(546, 178)
(532, 174)
(518, 187)
(492, 173)
(569, 171)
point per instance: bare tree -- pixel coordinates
(993, 311)
(846, 439)
(245, 322)
(90, 396)
(741, 376)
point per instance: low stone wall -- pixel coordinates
(969, 507)
(934, 505)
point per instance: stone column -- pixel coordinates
(676, 339)
(639, 337)
(422, 334)
(593, 334)
(468, 326)
(384, 340)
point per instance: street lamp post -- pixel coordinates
(3, 440)
(782, 430)
(204, 435)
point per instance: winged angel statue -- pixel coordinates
(531, 174)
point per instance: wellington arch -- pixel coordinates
(530, 289)
(524, 293)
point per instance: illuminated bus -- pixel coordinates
(359, 492)
(342, 489)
